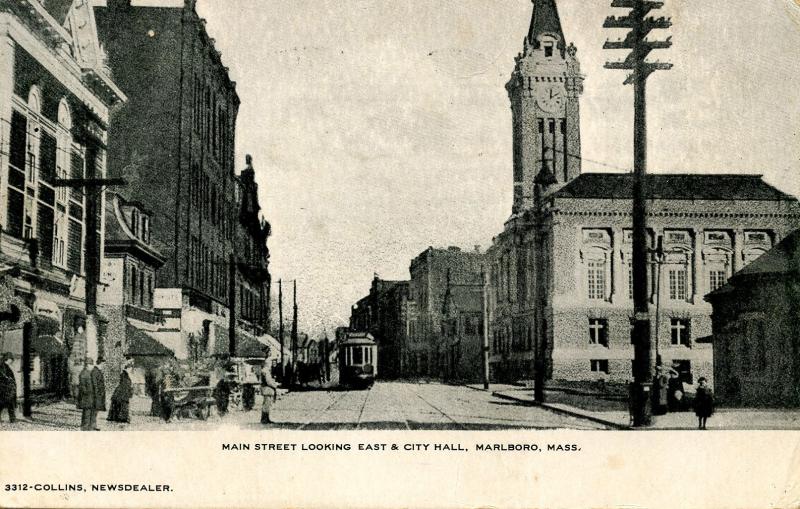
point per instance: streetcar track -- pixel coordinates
(439, 410)
(363, 406)
(317, 417)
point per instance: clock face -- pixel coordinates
(551, 98)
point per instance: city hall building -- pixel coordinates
(561, 284)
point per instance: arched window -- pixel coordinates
(596, 259)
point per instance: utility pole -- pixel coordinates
(294, 330)
(280, 325)
(640, 26)
(92, 187)
(485, 302)
(232, 300)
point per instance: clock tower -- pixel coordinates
(544, 90)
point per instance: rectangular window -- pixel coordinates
(716, 279)
(599, 366)
(596, 279)
(677, 284)
(358, 357)
(548, 49)
(598, 331)
(680, 331)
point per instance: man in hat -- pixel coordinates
(91, 395)
(8, 387)
(269, 390)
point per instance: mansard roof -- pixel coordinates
(676, 186)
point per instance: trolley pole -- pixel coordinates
(280, 326)
(485, 302)
(92, 186)
(640, 26)
(294, 329)
(232, 299)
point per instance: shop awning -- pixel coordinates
(141, 344)
(247, 346)
(47, 345)
(47, 326)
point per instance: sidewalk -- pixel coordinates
(608, 412)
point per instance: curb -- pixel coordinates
(563, 411)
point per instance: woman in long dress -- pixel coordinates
(120, 400)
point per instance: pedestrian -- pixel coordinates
(153, 381)
(75, 368)
(269, 392)
(676, 391)
(91, 395)
(703, 403)
(222, 394)
(8, 388)
(120, 400)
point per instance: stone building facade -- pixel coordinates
(756, 332)
(56, 98)
(560, 297)
(175, 147)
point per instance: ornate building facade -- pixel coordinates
(56, 97)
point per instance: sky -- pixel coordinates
(379, 128)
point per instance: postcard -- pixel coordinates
(359, 253)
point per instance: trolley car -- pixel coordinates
(358, 360)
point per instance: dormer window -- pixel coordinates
(135, 222)
(548, 48)
(146, 229)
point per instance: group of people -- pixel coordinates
(305, 373)
(669, 395)
(91, 395)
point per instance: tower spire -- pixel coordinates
(545, 20)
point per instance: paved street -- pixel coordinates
(387, 406)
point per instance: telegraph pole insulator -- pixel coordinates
(640, 26)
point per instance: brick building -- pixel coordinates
(426, 352)
(756, 332)
(56, 96)
(174, 144)
(462, 330)
(385, 313)
(560, 270)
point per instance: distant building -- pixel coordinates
(426, 352)
(174, 144)
(756, 331)
(462, 330)
(56, 97)
(385, 313)
(561, 284)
